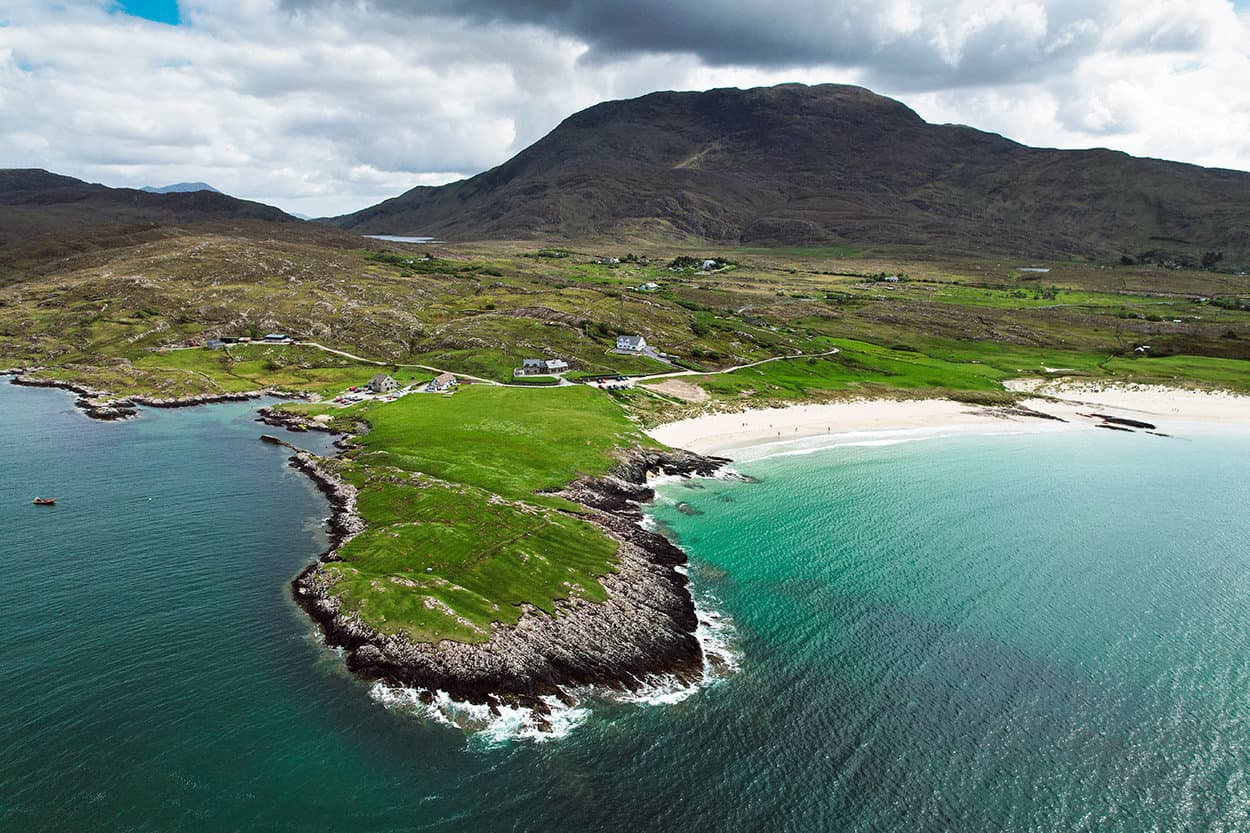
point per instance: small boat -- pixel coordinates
(44, 501)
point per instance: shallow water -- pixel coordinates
(996, 633)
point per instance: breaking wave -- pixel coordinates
(490, 727)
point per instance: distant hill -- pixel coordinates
(179, 188)
(823, 165)
(35, 202)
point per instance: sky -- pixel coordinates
(323, 107)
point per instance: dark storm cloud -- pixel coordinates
(915, 44)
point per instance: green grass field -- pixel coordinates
(444, 561)
(460, 534)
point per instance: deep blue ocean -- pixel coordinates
(1033, 632)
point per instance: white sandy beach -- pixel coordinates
(1164, 407)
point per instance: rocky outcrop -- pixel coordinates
(291, 421)
(200, 399)
(646, 626)
(102, 405)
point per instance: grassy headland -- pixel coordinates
(459, 534)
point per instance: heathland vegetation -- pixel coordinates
(771, 246)
(457, 490)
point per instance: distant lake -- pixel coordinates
(399, 238)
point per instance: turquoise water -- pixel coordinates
(998, 633)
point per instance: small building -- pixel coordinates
(382, 383)
(215, 344)
(634, 344)
(441, 382)
(649, 287)
(277, 338)
(707, 265)
(541, 367)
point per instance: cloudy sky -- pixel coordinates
(326, 106)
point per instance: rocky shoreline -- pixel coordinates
(102, 405)
(644, 629)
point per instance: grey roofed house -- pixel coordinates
(382, 383)
(540, 367)
(634, 343)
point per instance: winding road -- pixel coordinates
(632, 379)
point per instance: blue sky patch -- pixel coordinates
(161, 11)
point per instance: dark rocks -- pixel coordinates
(100, 404)
(291, 421)
(198, 399)
(646, 626)
(1032, 413)
(1131, 423)
(105, 410)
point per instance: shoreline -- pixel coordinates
(1054, 407)
(643, 636)
(102, 405)
(645, 631)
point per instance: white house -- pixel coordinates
(634, 344)
(441, 382)
(649, 287)
(381, 383)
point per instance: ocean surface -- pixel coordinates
(1034, 632)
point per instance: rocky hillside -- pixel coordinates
(35, 202)
(825, 165)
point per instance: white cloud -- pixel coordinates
(330, 108)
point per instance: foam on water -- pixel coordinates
(488, 727)
(873, 439)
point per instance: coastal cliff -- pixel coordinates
(645, 628)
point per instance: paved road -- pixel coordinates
(436, 370)
(734, 368)
(564, 382)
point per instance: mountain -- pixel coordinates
(179, 188)
(35, 202)
(822, 165)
